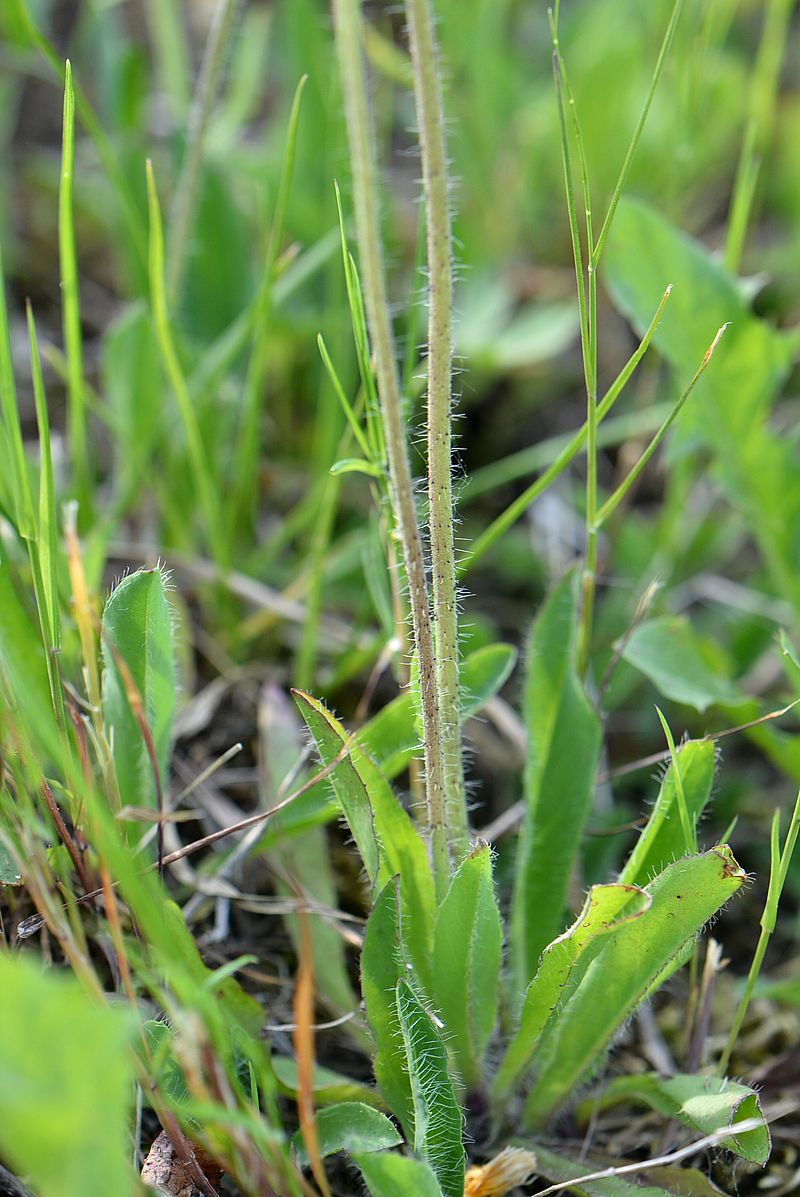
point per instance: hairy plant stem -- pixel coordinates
(430, 119)
(347, 16)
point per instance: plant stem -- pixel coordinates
(430, 119)
(587, 305)
(347, 17)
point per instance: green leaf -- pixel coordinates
(564, 742)
(9, 873)
(22, 661)
(607, 908)
(682, 899)
(164, 1069)
(667, 652)
(357, 465)
(704, 1103)
(66, 1084)
(351, 792)
(438, 1124)
(328, 1087)
(643, 253)
(137, 628)
(391, 1175)
(349, 1126)
(557, 1169)
(731, 410)
(382, 966)
(391, 737)
(661, 840)
(385, 836)
(467, 950)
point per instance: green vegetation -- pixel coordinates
(250, 325)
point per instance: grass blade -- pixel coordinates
(198, 461)
(19, 481)
(611, 504)
(70, 311)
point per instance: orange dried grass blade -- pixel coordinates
(510, 1168)
(304, 1051)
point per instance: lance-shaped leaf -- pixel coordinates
(558, 1169)
(381, 968)
(137, 636)
(391, 737)
(437, 1116)
(704, 1103)
(662, 840)
(391, 1175)
(384, 834)
(606, 910)
(328, 1087)
(467, 948)
(683, 897)
(349, 1126)
(563, 745)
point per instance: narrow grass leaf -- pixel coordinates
(703, 1103)
(198, 460)
(391, 1175)
(682, 899)
(70, 309)
(662, 839)
(564, 742)
(606, 910)
(467, 951)
(437, 1117)
(18, 498)
(136, 624)
(350, 1126)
